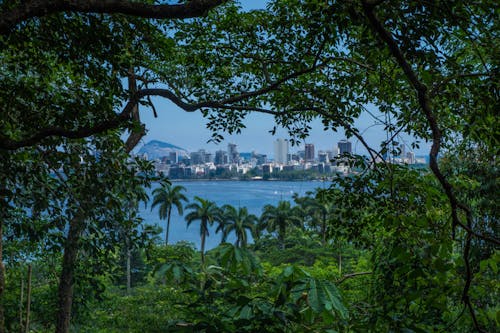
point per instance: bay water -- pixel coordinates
(251, 194)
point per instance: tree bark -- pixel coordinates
(168, 226)
(66, 282)
(21, 306)
(323, 229)
(2, 280)
(32, 9)
(203, 235)
(129, 254)
(28, 300)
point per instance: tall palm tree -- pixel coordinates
(237, 221)
(207, 213)
(279, 218)
(167, 196)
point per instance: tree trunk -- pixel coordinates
(203, 235)
(21, 306)
(281, 237)
(168, 225)
(2, 279)
(28, 300)
(323, 229)
(340, 260)
(129, 255)
(66, 282)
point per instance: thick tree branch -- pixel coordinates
(135, 136)
(424, 102)
(128, 112)
(36, 8)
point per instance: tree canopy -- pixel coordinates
(74, 74)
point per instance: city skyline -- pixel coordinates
(189, 128)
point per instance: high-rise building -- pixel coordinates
(200, 157)
(410, 157)
(221, 157)
(233, 155)
(196, 157)
(207, 157)
(281, 151)
(309, 152)
(402, 149)
(323, 157)
(173, 157)
(260, 158)
(331, 154)
(345, 147)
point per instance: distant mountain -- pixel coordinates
(157, 149)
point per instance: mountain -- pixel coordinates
(157, 149)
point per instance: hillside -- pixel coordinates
(157, 149)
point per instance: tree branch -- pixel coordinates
(424, 102)
(135, 136)
(348, 276)
(435, 90)
(31, 9)
(128, 112)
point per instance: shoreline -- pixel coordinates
(246, 180)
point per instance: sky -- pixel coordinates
(188, 129)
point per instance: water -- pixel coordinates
(251, 194)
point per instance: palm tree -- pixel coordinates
(279, 218)
(206, 212)
(167, 196)
(318, 210)
(237, 221)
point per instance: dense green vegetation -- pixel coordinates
(387, 249)
(349, 258)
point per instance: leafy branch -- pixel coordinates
(425, 105)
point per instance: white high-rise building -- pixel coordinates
(281, 147)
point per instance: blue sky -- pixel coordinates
(188, 129)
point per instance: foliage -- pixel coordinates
(168, 196)
(207, 213)
(428, 69)
(237, 221)
(279, 218)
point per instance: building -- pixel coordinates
(267, 169)
(323, 157)
(232, 152)
(410, 157)
(260, 158)
(173, 157)
(309, 152)
(281, 147)
(200, 157)
(402, 149)
(221, 157)
(332, 154)
(345, 147)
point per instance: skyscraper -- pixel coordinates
(402, 149)
(345, 147)
(234, 156)
(221, 157)
(309, 152)
(323, 157)
(281, 151)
